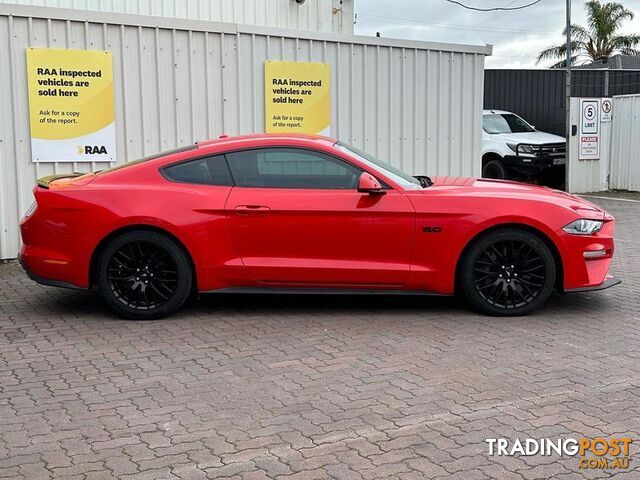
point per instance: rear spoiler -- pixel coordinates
(43, 182)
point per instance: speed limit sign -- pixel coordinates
(590, 110)
(589, 148)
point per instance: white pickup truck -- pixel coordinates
(512, 148)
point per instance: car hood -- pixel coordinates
(509, 190)
(533, 138)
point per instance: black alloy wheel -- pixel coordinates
(144, 275)
(508, 272)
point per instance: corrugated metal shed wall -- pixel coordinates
(415, 104)
(588, 175)
(625, 159)
(313, 15)
(538, 95)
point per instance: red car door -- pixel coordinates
(297, 218)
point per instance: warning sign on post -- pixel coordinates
(71, 105)
(589, 129)
(607, 106)
(297, 97)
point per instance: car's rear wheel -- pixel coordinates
(508, 272)
(494, 169)
(144, 275)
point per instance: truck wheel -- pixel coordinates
(494, 169)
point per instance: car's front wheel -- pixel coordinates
(144, 275)
(508, 272)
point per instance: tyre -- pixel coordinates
(494, 169)
(508, 272)
(144, 275)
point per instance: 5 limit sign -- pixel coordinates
(589, 129)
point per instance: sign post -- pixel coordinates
(297, 97)
(71, 105)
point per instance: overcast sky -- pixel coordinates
(517, 36)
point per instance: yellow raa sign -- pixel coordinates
(71, 105)
(297, 97)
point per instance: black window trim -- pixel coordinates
(224, 154)
(148, 158)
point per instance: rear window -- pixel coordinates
(186, 148)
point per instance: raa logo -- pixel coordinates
(92, 150)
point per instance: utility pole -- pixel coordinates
(568, 90)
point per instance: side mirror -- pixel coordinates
(370, 184)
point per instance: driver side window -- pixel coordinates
(291, 168)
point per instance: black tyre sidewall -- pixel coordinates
(185, 275)
(497, 165)
(479, 245)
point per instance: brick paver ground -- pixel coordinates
(253, 387)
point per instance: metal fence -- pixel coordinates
(624, 171)
(539, 95)
(415, 104)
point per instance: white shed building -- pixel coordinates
(335, 16)
(415, 104)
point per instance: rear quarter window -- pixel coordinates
(203, 171)
(166, 153)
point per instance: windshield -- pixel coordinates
(505, 123)
(401, 178)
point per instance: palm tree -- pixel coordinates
(600, 40)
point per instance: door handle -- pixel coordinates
(252, 210)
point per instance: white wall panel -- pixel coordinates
(417, 105)
(313, 15)
(625, 159)
(586, 176)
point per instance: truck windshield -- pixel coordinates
(497, 123)
(401, 178)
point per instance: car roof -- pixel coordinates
(265, 139)
(499, 112)
(223, 144)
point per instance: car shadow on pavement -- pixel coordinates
(575, 305)
(70, 304)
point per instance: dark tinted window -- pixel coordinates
(291, 168)
(207, 171)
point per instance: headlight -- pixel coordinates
(583, 227)
(525, 149)
(521, 148)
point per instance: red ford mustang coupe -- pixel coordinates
(283, 214)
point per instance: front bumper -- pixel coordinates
(583, 271)
(533, 164)
(610, 281)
